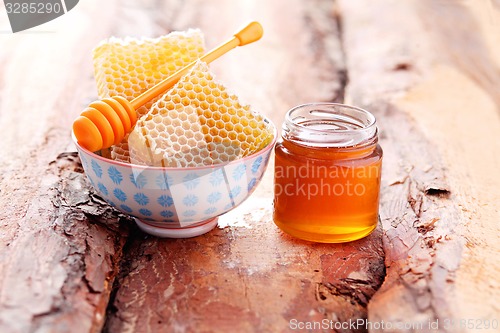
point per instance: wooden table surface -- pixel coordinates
(428, 69)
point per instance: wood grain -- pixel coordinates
(60, 245)
(70, 263)
(431, 82)
(248, 276)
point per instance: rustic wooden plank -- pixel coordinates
(242, 279)
(248, 276)
(59, 245)
(429, 70)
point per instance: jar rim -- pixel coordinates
(328, 124)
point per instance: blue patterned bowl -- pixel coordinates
(175, 202)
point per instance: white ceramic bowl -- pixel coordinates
(175, 202)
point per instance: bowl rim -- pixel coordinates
(269, 146)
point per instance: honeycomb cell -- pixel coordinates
(179, 131)
(199, 136)
(197, 130)
(210, 122)
(176, 147)
(205, 105)
(177, 99)
(223, 134)
(155, 134)
(210, 99)
(176, 123)
(233, 136)
(128, 67)
(241, 137)
(157, 119)
(239, 128)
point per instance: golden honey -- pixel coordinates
(327, 173)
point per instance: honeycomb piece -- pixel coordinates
(120, 151)
(128, 67)
(185, 140)
(197, 123)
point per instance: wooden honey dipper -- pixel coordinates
(106, 122)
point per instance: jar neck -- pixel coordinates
(330, 152)
(340, 128)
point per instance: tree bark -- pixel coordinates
(429, 71)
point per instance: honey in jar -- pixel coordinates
(327, 173)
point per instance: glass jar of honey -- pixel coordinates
(327, 173)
